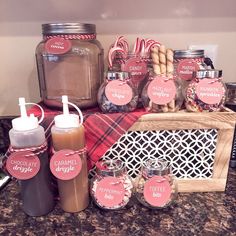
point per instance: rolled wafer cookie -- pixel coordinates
(162, 58)
(155, 60)
(170, 61)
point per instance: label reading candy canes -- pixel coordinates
(57, 45)
(118, 92)
(161, 90)
(157, 191)
(110, 192)
(65, 164)
(185, 69)
(23, 165)
(210, 91)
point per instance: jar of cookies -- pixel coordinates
(117, 93)
(111, 187)
(206, 92)
(187, 61)
(162, 94)
(156, 187)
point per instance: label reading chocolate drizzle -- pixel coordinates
(210, 91)
(23, 165)
(65, 164)
(110, 192)
(157, 191)
(185, 69)
(161, 90)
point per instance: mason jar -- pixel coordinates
(156, 187)
(117, 93)
(162, 94)
(111, 188)
(69, 61)
(206, 92)
(231, 95)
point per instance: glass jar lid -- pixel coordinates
(209, 73)
(115, 75)
(110, 167)
(188, 53)
(156, 167)
(68, 28)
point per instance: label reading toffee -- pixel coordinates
(58, 45)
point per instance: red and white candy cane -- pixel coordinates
(112, 53)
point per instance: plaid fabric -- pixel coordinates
(101, 130)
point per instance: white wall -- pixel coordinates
(176, 23)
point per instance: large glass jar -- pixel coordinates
(117, 93)
(187, 61)
(231, 95)
(69, 61)
(162, 94)
(111, 188)
(206, 92)
(156, 186)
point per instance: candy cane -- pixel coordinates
(111, 54)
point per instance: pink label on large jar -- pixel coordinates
(157, 191)
(118, 92)
(57, 45)
(23, 165)
(110, 192)
(161, 90)
(210, 91)
(185, 69)
(65, 164)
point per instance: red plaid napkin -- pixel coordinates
(101, 130)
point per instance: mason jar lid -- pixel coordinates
(231, 85)
(188, 53)
(117, 75)
(209, 73)
(68, 28)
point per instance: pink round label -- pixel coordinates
(161, 90)
(65, 164)
(210, 91)
(23, 165)
(157, 191)
(57, 45)
(110, 192)
(185, 69)
(135, 66)
(118, 92)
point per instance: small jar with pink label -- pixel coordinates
(117, 93)
(111, 188)
(206, 92)
(156, 187)
(162, 94)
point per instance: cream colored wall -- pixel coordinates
(176, 23)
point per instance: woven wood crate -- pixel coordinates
(198, 145)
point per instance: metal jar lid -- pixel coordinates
(68, 28)
(188, 53)
(200, 74)
(231, 85)
(114, 75)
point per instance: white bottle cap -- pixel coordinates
(67, 120)
(25, 122)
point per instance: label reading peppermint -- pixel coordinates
(157, 191)
(57, 45)
(185, 69)
(65, 164)
(210, 91)
(23, 165)
(110, 192)
(118, 92)
(161, 90)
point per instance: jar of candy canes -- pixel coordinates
(162, 94)
(156, 187)
(206, 92)
(187, 61)
(117, 93)
(111, 187)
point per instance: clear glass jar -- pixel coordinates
(117, 93)
(69, 61)
(156, 187)
(162, 94)
(231, 95)
(185, 62)
(111, 188)
(206, 92)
